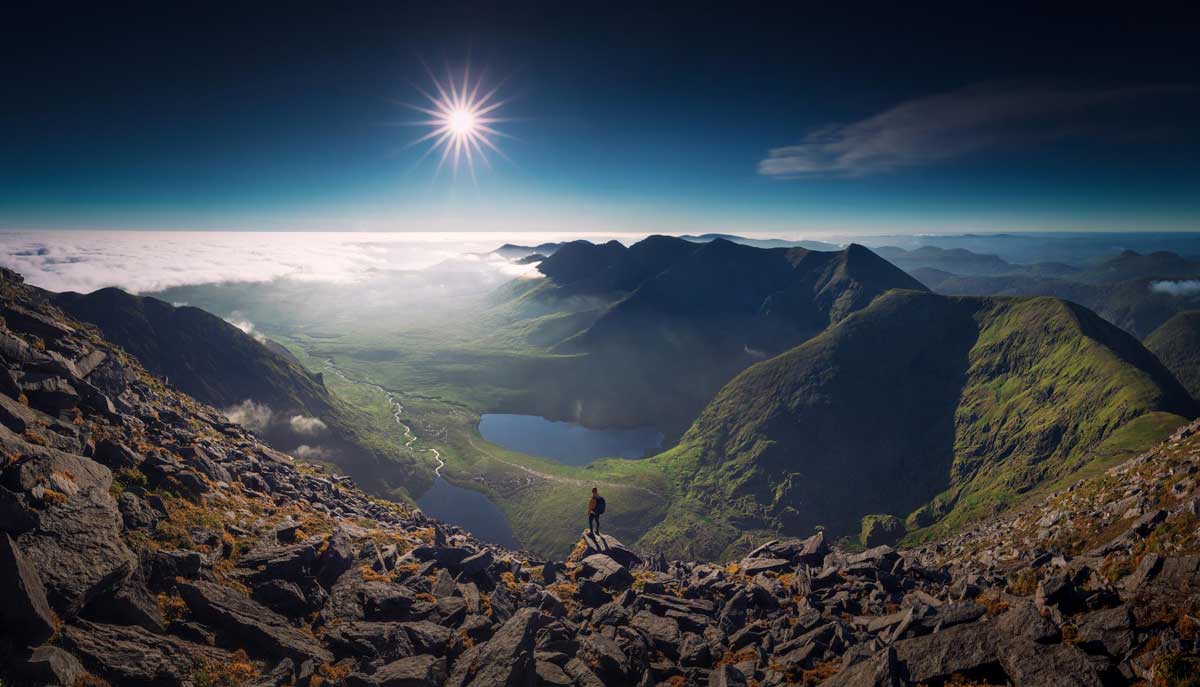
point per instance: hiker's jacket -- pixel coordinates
(592, 506)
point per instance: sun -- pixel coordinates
(461, 119)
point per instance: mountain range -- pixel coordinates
(651, 331)
(147, 541)
(929, 409)
(1133, 291)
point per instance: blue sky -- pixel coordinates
(675, 120)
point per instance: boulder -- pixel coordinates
(336, 559)
(282, 675)
(606, 571)
(663, 633)
(385, 601)
(50, 665)
(414, 671)
(507, 658)
(427, 637)
(609, 546)
(754, 566)
(281, 596)
(882, 670)
(129, 602)
(605, 658)
(959, 649)
(1058, 665)
(133, 656)
(75, 538)
(473, 565)
(262, 631)
(25, 612)
(369, 640)
(291, 562)
(136, 514)
(727, 676)
(550, 675)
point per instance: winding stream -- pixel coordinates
(469, 509)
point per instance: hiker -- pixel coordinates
(595, 509)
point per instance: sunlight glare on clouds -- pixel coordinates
(151, 261)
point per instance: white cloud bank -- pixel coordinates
(147, 261)
(951, 125)
(1185, 287)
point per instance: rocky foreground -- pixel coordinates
(147, 541)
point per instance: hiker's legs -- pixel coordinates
(593, 523)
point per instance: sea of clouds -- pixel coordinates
(147, 261)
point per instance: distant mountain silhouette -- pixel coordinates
(654, 329)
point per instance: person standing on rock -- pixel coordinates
(595, 509)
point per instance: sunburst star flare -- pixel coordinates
(461, 120)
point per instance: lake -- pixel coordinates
(468, 509)
(566, 442)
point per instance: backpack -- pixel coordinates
(599, 505)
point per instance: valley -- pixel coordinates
(518, 398)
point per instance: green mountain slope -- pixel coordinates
(933, 409)
(647, 334)
(200, 353)
(1177, 345)
(258, 383)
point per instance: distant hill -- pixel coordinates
(963, 262)
(932, 409)
(200, 353)
(1138, 306)
(258, 383)
(653, 330)
(955, 260)
(1131, 265)
(512, 251)
(1177, 345)
(763, 243)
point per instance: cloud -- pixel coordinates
(951, 125)
(1177, 288)
(303, 424)
(236, 319)
(306, 452)
(255, 417)
(149, 261)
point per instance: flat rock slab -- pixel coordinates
(262, 630)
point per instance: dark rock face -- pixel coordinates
(132, 656)
(507, 658)
(74, 541)
(25, 611)
(262, 631)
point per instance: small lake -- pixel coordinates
(468, 509)
(567, 442)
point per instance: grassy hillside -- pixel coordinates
(933, 409)
(1177, 345)
(217, 363)
(647, 334)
